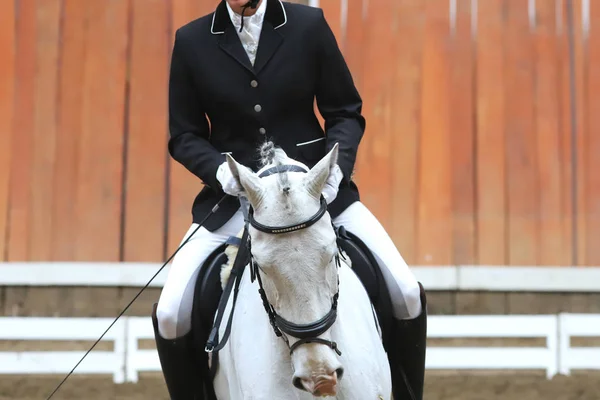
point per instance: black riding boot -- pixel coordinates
(406, 354)
(183, 376)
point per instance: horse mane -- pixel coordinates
(270, 154)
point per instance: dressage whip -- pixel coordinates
(211, 212)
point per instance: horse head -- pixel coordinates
(296, 266)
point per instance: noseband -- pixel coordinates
(307, 333)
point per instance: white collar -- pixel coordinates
(256, 19)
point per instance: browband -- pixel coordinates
(281, 168)
(288, 228)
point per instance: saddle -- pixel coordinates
(209, 285)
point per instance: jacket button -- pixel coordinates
(257, 108)
(262, 131)
(253, 83)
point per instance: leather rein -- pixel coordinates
(306, 333)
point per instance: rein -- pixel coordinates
(306, 333)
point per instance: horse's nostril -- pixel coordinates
(339, 372)
(297, 382)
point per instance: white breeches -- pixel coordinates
(174, 311)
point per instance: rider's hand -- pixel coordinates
(330, 190)
(229, 184)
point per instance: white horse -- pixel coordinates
(302, 277)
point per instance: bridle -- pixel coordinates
(306, 333)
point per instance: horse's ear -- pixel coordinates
(247, 180)
(317, 176)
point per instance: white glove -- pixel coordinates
(229, 184)
(330, 190)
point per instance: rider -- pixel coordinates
(251, 90)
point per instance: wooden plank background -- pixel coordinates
(470, 154)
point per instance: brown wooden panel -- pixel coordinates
(593, 138)
(70, 101)
(552, 249)
(521, 158)
(48, 14)
(582, 139)
(374, 175)
(463, 140)
(63, 160)
(405, 102)
(537, 303)
(44, 134)
(70, 302)
(490, 147)
(474, 303)
(147, 132)
(107, 302)
(583, 303)
(7, 92)
(183, 185)
(441, 303)
(434, 232)
(184, 11)
(99, 183)
(566, 159)
(22, 141)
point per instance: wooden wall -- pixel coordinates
(481, 144)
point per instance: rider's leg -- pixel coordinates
(407, 352)
(173, 314)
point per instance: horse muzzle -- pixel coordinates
(320, 385)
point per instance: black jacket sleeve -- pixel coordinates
(338, 99)
(188, 125)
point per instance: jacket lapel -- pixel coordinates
(270, 40)
(230, 43)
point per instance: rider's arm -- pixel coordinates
(338, 99)
(188, 125)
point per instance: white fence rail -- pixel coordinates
(126, 360)
(501, 326)
(577, 279)
(571, 357)
(61, 362)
